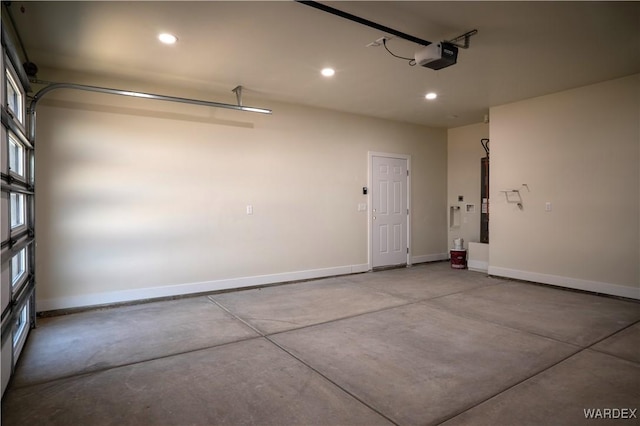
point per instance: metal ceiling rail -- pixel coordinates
(142, 95)
(14, 58)
(363, 21)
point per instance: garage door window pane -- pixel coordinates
(15, 97)
(16, 156)
(20, 330)
(18, 266)
(17, 210)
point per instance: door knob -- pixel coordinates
(374, 218)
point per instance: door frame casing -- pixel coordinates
(370, 155)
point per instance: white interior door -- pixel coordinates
(389, 211)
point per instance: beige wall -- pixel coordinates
(464, 152)
(140, 198)
(578, 150)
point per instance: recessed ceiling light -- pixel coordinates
(167, 38)
(431, 96)
(328, 72)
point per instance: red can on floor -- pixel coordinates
(458, 259)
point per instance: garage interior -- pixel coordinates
(221, 231)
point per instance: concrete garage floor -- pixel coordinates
(421, 345)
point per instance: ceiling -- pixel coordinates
(277, 49)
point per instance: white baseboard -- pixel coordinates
(575, 283)
(478, 266)
(429, 258)
(190, 288)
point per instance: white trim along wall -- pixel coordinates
(105, 298)
(574, 283)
